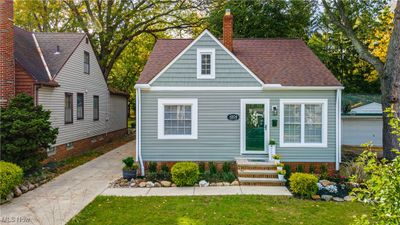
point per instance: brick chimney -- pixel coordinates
(7, 68)
(228, 30)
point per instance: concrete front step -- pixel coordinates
(258, 173)
(260, 181)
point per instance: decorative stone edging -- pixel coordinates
(142, 183)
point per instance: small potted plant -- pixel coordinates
(276, 158)
(281, 175)
(271, 148)
(129, 170)
(279, 166)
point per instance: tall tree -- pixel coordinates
(113, 24)
(355, 26)
(265, 18)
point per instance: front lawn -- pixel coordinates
(250, 209)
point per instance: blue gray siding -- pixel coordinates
(227, 71)
(219, 138)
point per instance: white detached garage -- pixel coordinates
(363, 124)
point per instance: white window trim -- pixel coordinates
(182, 101)
(324, 103)
(200, 51)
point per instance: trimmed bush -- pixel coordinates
(153, 167)
(185, 173)
(303, 184)
(10, 176)
(226, 167)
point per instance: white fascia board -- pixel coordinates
(142, 86)
(219, 43)
(313, 88)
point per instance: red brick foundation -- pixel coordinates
(84, 145)
(293, 165)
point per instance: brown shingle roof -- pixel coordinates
(288, 62)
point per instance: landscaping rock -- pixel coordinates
(36, 185)
(142, 184)
(235, 183)
(165, 183)
(149, 184)
(316, 197)
(220, 184)
(23, 188)
(17, 191)
(326, 183)
(326, 197)
(227, 184)
(31, 186)
(10, 196)
(213, 184)
(133, 184)
(156, 184)
(337, 199)
(348, 198)
(173, 185)
(203, 183)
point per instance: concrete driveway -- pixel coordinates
(57, 201)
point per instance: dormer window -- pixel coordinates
(205, 63)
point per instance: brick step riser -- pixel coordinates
(256, 167)
(262, 183)
(259, 175)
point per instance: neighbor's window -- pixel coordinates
(86, 62)
(303, 123)
(95, 107)
(205, 63)
(177, 118)
(79, 106)
(68, 113)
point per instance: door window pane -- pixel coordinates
(255, 127)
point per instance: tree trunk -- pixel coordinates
(390, 87)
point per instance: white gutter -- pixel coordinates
(41, 56)
(280, 87)
(265, 87)
(139, 130)
(338, 128)
(142, 86)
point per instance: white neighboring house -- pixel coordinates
(363, 124)
(61, 72)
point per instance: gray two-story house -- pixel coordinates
(212, 99)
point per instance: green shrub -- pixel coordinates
(288, 171)
(215, 177)
(130, 164)
(26, 133)
(303, 184)
(226, 167)
(312, 169)
(165, 168)
(212, 168)
(323, 170)
(300, 168)
(152, 167)
(151, 176)
(164, 175)
(202, 167)
(228, 176)
(10, 176)
(185, 173)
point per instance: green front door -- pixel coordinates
(254, 127)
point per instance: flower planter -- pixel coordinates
(281, 177)
(271, 151)
(129, 174)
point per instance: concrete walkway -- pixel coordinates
(198, 191)
(57, 201)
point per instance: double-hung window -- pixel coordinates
(79, 106)
(205, 63)
(68, 105)
(303, 122)
(96, 107)
(177, 118)
(86, 62)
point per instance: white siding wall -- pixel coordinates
(360, 130)
(72, 79)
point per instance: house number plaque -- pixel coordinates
(233, 117)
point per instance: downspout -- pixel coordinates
(139, 130)
(338, 128)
